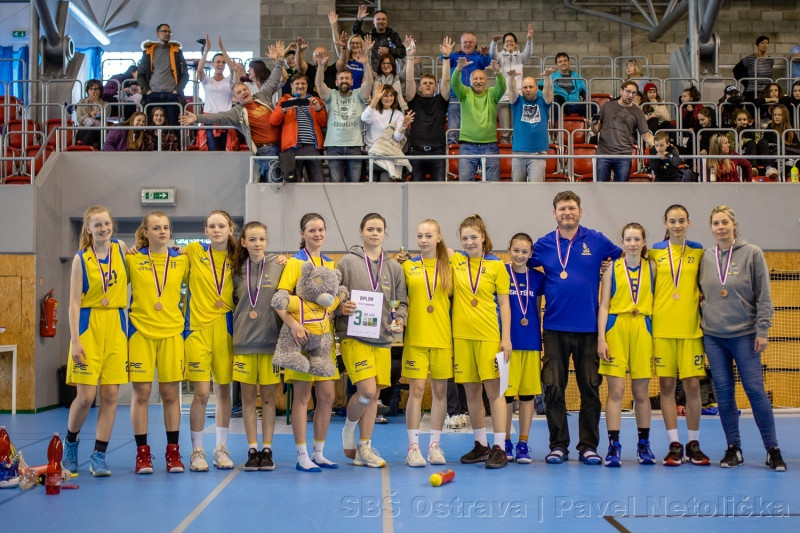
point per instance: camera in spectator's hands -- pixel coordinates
(296, 102)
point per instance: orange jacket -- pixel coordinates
(289, 121)
(180, 71)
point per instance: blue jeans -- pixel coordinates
(217, 144)
(468, 167)
(622, 169)
(337, 167)
(269, 169)
(453, 120)
(721, 353)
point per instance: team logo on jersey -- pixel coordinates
(133, 367)
(657, 361)
(586, 250)
(194, 365)
(411, 364)
(238, 365)
(81, 366)
(360, 364)
(733, 269)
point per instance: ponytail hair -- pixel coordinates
(231, 242)
(141, 232)
(442, 259)
(476, 222)
(637, 226)
(242, 254)
(670, 208)
(86, 239)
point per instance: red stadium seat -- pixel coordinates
(16, 132)
(600, 98)
(35, 150)
(505, 163)
(452, 164)
(9, 108)
(583, 169)
(67, 136)
(17, 179)
(552, 171)
(81, 148)
(571, 124)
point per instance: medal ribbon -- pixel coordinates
(309, 258)
(219, 282)
(159, 286)
(427, 281)
(373, 281)
(676, 278)
(105, 277)
(304, 320)
(524, 308)
(634, 293)
(254, 301)
(723, 277)
(558, 249)
(474, 287)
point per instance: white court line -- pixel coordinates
(386, 490)
(208, 499)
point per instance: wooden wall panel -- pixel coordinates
(18, 314)
(783, 260)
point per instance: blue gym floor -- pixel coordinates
(566, 497)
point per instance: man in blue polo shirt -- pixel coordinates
(571, 256)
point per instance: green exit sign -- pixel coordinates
(19, 34)
(158, 196)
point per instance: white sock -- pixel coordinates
(672, 435)
(694, 434)
(266, 446)
(317, 456)
(413, 437)
(436, 436)
(480, 436)
(252, 446)
(222, 436)
(302, 456)
(500, 439)
(197, 439)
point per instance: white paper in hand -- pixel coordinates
(366, 321)
(502, 366)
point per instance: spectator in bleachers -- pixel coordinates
(635, 72)
(117, 90)
(162, 73)
(658, 114)
(752, 143)
(728, 169)
(475, 60)
(89, 112)
(344, 119)
(509, 58)
(169, 141)
(430, 114)
(382, 111)
(792, 100)
(568, 86)
(730, 103)
(348, 49)
(757, 65)
(218, 92)
(257, 75)
(781, 135)
(387, 75)
(794, 58)
(115, 83)
(119, 140)
(301, 118)
(767, 100)
(386, 40)
(478, 134)
(665, 161)
(691, 110)
(706, 120)
(618, 123)
(530, 112)
(294, 62)
(329, 70)
(250, 115)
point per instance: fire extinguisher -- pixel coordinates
(47, 322)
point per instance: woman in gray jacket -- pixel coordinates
(736, 317)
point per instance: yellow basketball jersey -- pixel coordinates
(144, 317)
(482, 321)
(113, 268)
(677, 319)
(429, 329)
(291, 272)
(621, 299)
(202, 296)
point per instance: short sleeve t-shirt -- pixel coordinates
(344, 118)
(530, 124)
(428, 128)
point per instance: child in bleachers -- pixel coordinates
(665, 161)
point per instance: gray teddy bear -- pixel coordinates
(312, 305)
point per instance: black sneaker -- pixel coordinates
(733, 457)
(497, 457)
(675, 455)
(265, 461)
(252, 460)
(775, 460)
(695, 455)
(477, 454)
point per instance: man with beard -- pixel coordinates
(344, 118)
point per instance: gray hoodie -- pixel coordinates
(748, 307)
(392, 284)
(257, 335)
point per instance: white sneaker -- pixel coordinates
(198, 461)
(222, 458)
(463, 420)
(436, 455)
(414, 457)
(449, 421)
(366, 455)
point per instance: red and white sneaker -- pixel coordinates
(173, 456)
(144, 461)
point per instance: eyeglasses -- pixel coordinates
(626, 91)
(164, 31)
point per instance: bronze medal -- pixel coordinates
(253, 314)
(159, 306)
(220, 303)
(723, 292)
(524, 321)
(676, 296)
(563, 274)
(474, 302)
(105, 302)
(430, 309)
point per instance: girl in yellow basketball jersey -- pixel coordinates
(98, 293)
(155, 335)
(428, 342)
(625, 339)
(677, 337)
(366, 346)
(312, 239)
(255, 333)
(208, 334)
(480, 290)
